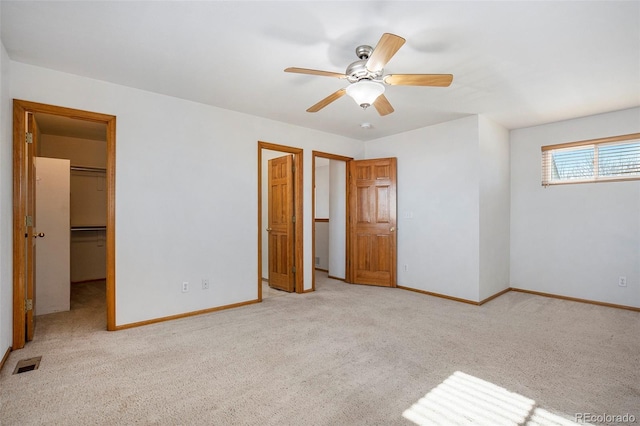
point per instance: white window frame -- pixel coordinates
(595, 144)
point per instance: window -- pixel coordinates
(598, 160)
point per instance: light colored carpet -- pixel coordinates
(344, 355)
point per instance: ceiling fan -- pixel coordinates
(367, 78)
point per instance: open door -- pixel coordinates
(372, 222)
(281, 223)
(53, 192)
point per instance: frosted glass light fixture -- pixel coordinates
(365, 92)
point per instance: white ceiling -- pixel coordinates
(518, 63)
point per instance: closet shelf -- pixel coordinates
(88, 169)
(89, 228)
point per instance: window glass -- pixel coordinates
(609, 159)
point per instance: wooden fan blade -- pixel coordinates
(383, 106)
(384, 51)
(315, 72)
(439, 80)
(326, 101)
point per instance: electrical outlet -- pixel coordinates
(185, 286)
(205, 283)
(622, 281)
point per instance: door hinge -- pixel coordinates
(29, 137)
(28, 304)
(293, 168)
(28, 221)
(293, 269)
(293, 219)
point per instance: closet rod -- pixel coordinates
(88, 169)
(88, 228)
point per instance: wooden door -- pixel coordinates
(281, 223)
(372, 222)
(53, 263)
(30, 232)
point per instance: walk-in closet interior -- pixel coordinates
(71, 206)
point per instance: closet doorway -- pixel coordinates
(330, 213)
(64, 214)
(280, 252)
(74, 265)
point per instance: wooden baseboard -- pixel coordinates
(336, 278)
(5, 357)
(520, 290)
(185, 315)
(442, 296)
(309, 290)
(428, 293)
(575, 299)
(320, 269)
(498, 294)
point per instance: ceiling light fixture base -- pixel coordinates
(365, 92)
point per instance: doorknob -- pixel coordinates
(392, 229)
(39, 234)
(268, 229)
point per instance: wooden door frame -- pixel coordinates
(20, 108)
(320, 154)
(298, 192)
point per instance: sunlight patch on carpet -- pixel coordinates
(465, 399)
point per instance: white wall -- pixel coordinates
(494, 207)
(453, 207)
(322, 192)
(338, 215)
(322, 245)
(574, 240)
(322, 212)
(88, 256)
(6, 234)
(438, 206)
(185, 191)
(81, 152)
